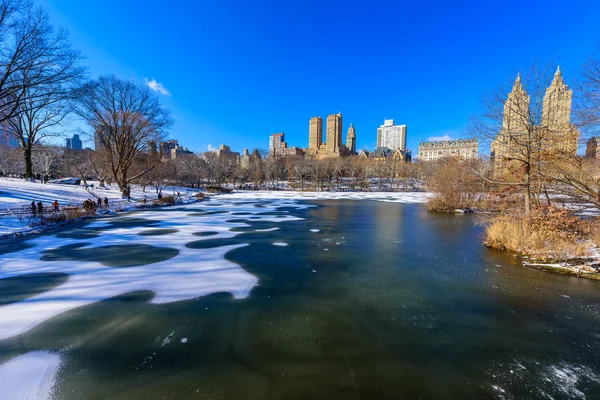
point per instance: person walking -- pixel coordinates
(33, 209)
(55, 205)
(106, 203)
(99, 203)
(40, 207)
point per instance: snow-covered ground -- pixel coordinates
(18, 192)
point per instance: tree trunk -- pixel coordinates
(28, 163)
(527, 189)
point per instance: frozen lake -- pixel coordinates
(248, 297)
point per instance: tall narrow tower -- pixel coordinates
(556, 111)
(351, 139)
(556, 117)
(515, 125)
(516, 109)
(315, 133)
(334, 133)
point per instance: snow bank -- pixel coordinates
(30, 376)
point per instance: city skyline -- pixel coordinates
(201, 79)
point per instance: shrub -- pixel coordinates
(454, 184)
(547, 232)
(218, 189)
(166, 200)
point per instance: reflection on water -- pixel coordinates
(385, 301)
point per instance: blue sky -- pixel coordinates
(238, 71)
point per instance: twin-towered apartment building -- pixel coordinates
(390, 138)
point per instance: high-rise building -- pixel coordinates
(556, 113)
(591, 150)
(7, 140)
(4, 137)
(465, 149)
(333, 146)
(74, 143)
(334, 133)
(315, 133)
(556, 134)
(391, 136)
(557, 130)
(98, 137)
(276, 141)
(224, 153)
(152, 150)
(165, 148)
(171, 150)
(279, 148)
(351, 139)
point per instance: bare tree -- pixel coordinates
(189, 170)
(40, 76)
(32, 55)
(46, 158)
(576, 177)
(124, 118)
(587, 109)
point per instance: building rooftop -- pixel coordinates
(454, 142)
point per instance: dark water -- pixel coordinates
(386, 301)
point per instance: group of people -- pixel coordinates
(39, 207)
(88, 205)
(39, 177)
(91, 205)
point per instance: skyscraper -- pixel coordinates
(391, 136)
(556, 112)
(556, 117)
(74, 143)
(166, 149)
(276, 141)
(334, 133)
(591, 150)
(515, 124)
(351, 139)
(556, 134)
(315, 133)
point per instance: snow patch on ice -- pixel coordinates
(281, 244)
(184, 340)
(266, 230)
(167, 340)
(29, 376)
(315, 230)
